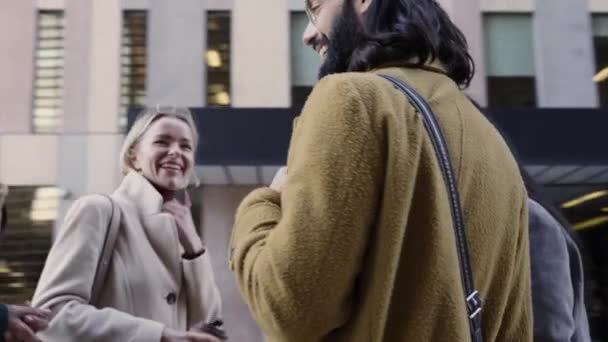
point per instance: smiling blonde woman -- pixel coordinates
(159, 283)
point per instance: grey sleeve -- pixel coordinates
(552, 289)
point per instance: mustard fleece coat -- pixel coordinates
(360, 244)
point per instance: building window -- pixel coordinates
(217, 58)
(32, 212)
(133, 63)
(510, 60)
(600, 40)
(305, 62)
(48, 73)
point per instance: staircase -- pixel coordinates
(26, 241)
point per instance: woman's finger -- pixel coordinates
(22, 332)
(174, 205)
(36, 323)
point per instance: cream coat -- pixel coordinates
(149, 285)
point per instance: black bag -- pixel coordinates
(472, 298)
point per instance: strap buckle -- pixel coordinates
(474, 304)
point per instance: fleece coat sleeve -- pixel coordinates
(296, 255)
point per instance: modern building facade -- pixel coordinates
(72, 69)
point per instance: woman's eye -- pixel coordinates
(161, 143)
(187, 147)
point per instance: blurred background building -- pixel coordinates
(72, 70)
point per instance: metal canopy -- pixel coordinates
(245, 146)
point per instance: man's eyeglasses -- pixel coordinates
(311, 12)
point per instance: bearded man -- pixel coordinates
(354, 240)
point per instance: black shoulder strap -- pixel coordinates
(473, 300)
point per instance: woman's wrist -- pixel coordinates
(193, 254)
(193, 244)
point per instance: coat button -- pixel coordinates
(171, 298)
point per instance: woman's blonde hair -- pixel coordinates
(143, 121)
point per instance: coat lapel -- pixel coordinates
(160, 228)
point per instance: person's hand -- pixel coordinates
(170, 335)
(280, 180)
(186, 230)
(214, 329)
(24, 322)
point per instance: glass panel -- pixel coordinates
(217, 58)
(49, 73)
(50, 53)
(49, 63)
(50, 44)
(510, 92)
(133, 62)
(47, 125)
(510, 60)
(600, 40)
(509, 45)
(48, 83)
(48, 103)
(48, 93)
(600, 25)
(305, 61)
(47, 113)
(49, 33)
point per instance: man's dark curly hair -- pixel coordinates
(415, 31)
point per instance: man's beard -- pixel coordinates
(346, 35)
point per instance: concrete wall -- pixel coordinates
(28, 159)
(260, 54)
(176, 45)
(17, 31)
(468, 17)
(564, 54)
(597, 6)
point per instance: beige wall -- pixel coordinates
(103, 172)
(219, 205)
(105, 43)
(176, 70)
(260, 54)
(28, 159)
(529, 5)
(563, 37)
(17, 29)
(599, 6)
(51, 4)
(467, 15)
(87, 147)
(507, 5)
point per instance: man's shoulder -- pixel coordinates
(362, 82)
(362, 91)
